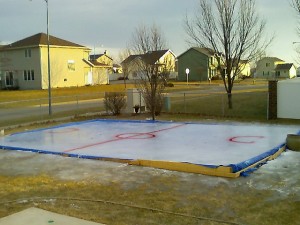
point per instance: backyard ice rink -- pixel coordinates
(209, 145)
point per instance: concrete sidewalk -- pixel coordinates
(35, 216)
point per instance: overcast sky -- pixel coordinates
(108, 24)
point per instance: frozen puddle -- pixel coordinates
(214, 149)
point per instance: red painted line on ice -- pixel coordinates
(135, 136)
(245, 139)
(120, 137)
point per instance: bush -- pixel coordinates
(114, 102)
(169, 85)
(216, 78)
(12, 88)
(122, 78)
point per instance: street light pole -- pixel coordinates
(49, 69)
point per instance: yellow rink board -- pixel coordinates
(220, 171)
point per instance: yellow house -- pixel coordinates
(101, 68)
(24, 63)
(164, 59)
(245, 69)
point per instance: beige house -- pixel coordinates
(286, 70)
(101, 68)
(164, 59)
(265, 67)
(24, 64)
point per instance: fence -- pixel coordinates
(251, 105)
(15, 112)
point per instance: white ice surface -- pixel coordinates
(207, 144)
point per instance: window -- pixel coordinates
(71, 65)
(25, 75)
(28, 75)
(9, 79)
(32, 74)
(28, 53)
(268, 64)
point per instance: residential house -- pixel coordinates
(164, 59)
(101, 68)
(117, 68)
(24, 63)
(201, 63)
(265, 67)
(286, 70)
(244, 69)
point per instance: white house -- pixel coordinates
(265, 67)
(286, 70)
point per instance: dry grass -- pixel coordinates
(6, 96)
(133, 205)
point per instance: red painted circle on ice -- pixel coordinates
(245, 139)
(135, 136)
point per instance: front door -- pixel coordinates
(9, 79)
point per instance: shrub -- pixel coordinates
(169, 85)
(114, 102)
(122, 78)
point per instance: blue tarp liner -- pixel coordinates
(192, 143)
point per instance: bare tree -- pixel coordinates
(296, 5)
(145, 39)
(124, 54)
(151, 82)
(233, 30)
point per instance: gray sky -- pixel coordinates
(108, 24)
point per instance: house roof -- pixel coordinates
(97, 56)
(95, 63)
(41, 39)
(285, 66)
(150, 57)
(130, 59)
(206, 51)
(272, 58)
(153, 56)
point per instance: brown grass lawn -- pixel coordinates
(119, 194)
(6, 96)
(148, 196)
